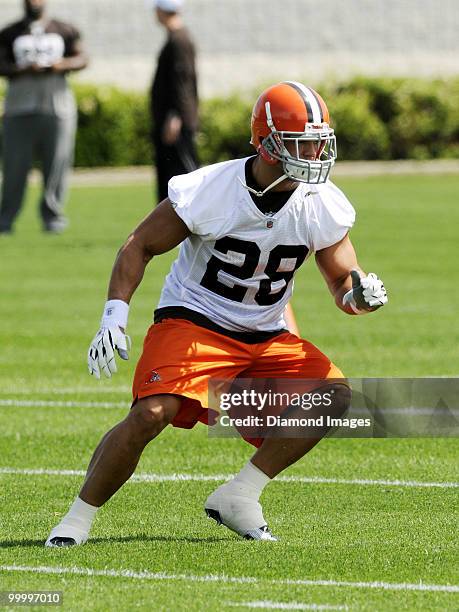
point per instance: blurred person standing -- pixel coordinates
(36, 53)
(174, 98)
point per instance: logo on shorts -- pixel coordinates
(154, 377)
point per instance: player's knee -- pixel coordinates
(150, 416)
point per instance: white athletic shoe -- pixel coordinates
(65, 535)
(231, 505)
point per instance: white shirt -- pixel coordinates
(237, 266)
(45, 93)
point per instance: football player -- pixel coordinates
(245, 226)
(40, 115)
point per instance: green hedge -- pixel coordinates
(407, 118)
(374, 118)
(113, 127)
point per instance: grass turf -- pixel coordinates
(53, 288)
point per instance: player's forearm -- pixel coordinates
(71, 64)
(339, 301)
(339, 290)
(128, 270)
(185, 102)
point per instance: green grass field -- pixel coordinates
(373, 545)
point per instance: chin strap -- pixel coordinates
(260, 194)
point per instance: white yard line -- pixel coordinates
(97, 389)
(216, 578)
(139, 478)
(14, 403)
(280, 605)
(35, 403)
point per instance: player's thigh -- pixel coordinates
(288, 356)
(180, 358)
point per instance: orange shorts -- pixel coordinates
(180, 357)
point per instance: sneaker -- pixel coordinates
(55, 227)
(65, 535)
(229, 506)
(60, 542)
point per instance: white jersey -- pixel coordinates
(237, 266)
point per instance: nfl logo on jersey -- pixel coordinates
(154, 377)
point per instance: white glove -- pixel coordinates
(101, 353)
(367, 293)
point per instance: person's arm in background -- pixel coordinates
(76, 60)
(8, 67)
(182, 83)
(172, 127)
(75, 57)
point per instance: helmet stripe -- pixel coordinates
(313, 107)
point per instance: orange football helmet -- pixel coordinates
(286, 119)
